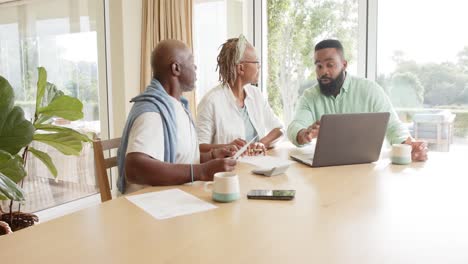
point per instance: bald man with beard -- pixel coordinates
(159, 143)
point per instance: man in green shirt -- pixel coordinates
(338, 92)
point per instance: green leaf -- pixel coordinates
(64, 142)
(41, 119)
(12, 166)
(15, 131)
(53, 128)
(45, 158)
(6, 96)
(9, 189)
(41, 86)
(51, 92)
(64, 106)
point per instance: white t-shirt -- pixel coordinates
(147, 136)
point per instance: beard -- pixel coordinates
(333, 86)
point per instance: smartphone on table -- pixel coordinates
(271, 194)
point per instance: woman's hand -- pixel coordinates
(255, 149)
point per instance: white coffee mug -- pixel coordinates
(401, 154)
(225, 187)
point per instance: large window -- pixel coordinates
(214, 22)
(294, 27)
(422, 62)
(64, 37)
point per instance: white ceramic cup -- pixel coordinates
(401, 154)
(225, 187)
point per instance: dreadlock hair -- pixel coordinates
(227, 61)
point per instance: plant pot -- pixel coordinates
(4, 228)
(19, 220)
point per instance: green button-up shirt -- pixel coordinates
(357, 95)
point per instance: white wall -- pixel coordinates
(132, 12)
(124, 46)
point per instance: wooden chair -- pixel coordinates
(103, 164)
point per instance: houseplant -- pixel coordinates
(17, 134)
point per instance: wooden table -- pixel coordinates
(368, 213)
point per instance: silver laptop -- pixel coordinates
(347, 139)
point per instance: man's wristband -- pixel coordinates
(191, 172)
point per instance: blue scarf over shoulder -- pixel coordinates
(154, 99)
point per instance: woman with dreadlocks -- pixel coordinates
(235, 112)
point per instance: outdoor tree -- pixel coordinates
(443, 84)
(463, 60)
(406, 90)
(294, 27)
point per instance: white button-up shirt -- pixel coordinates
(219, 120)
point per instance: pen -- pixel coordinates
(243, 149)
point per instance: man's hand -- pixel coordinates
(217, 165)
(418, 149)
(306, 135)
(256, 149)
(224, 152)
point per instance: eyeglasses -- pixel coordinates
(256, 62)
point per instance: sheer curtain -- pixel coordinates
(164, 19)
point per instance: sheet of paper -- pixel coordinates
(169, 203)
(265, 161)
(307, 149)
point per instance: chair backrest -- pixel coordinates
(102, 164)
